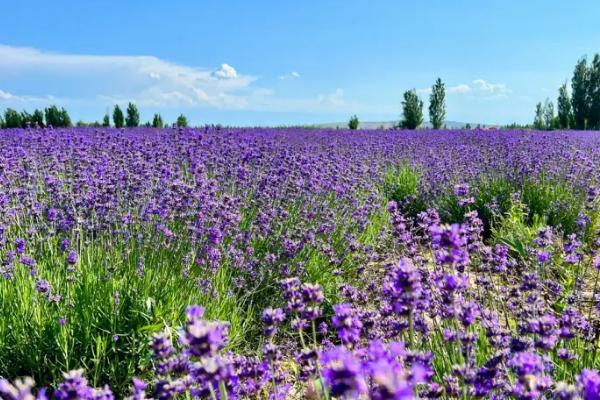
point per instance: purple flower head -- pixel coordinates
(161, 346)
(588, 383)
(347, 323)
(272, 317)
(343, 374)
(403, 286)
(72, 257)
(596, 262)
(543, 256)
(21, 389)
(65, 244)
(312, 298)
(138, 389)
(525, 363)
(20, 245)
(203, 338)
(74, 387)
(461, 190)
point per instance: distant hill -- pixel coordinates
(391, 124)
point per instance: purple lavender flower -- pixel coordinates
(272, 317)
(347, 323)
(203, 338)
(403, 286)
(20, 245)
(72, 258)
(343, 374)
(588, 383)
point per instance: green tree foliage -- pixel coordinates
(12, 118)
(594, 93)
(353, 122)
(579, 94)
(563, 103)
(157, 121)
(25, 119)
(37, 118)
(437, 104)
(549, 114)
(118, 118)
(182, 121)
(65, 118)
(412, 110)
(106, 121)
(538, 122)
(58, 118)
(1, 122)
(133, 116)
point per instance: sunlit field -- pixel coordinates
(222, 263)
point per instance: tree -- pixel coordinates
(594, 93)
(538, 122)
(437, 104)
(182, 121)
(579, 94)
(353, 122)
(412, 110)
(58, 118)
(564, 107)
(133, 116)
(65, 120)
(25, 119)
(118, 118)
(52, 114)
(157, 121)
(1, 122)
(12, 118)
(106, 121)
(37, 118)
(549, 114)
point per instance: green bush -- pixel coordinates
(401, 184)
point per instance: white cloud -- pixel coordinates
(146, 80)
(462, 88)
(335, 99)
(289, 75)
(5, 95)
(495, 88)
(15, 99)
(103, 80)
(226, 71)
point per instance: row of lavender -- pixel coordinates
(107, 236)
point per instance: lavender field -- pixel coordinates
(220, 263)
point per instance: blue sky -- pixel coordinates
(280, 62)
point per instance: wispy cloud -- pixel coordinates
(462, 88)
(144, 79)
(494, 88)
(289, 75)
(14, 99)
(150, 81)
(478, 86)
(5, 95)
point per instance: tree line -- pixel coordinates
(412, 109)
(59, 118)
(578, 110)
